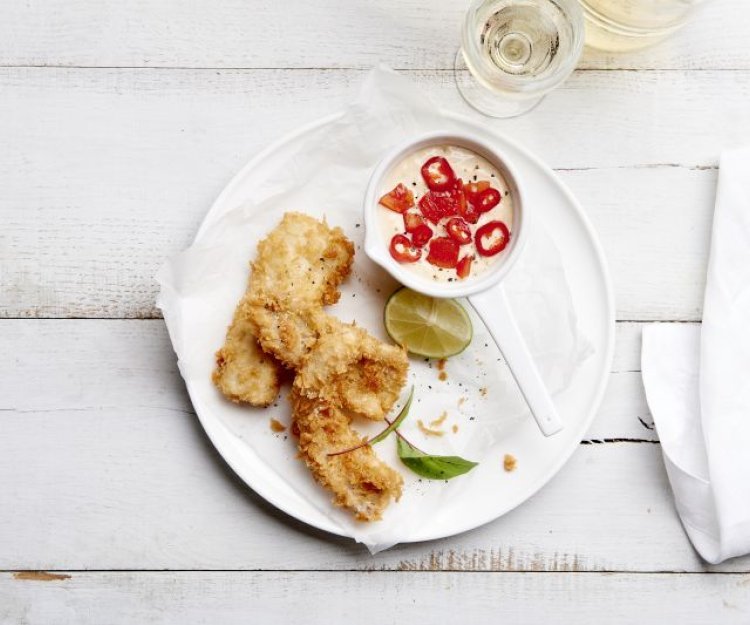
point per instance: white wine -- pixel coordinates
(622, 25)
(516, 51)
(526, 38)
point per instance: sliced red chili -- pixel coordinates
(463, 268)
(458, 230)
(492, 238)
(421, 235)
(473, 189)
(398, 199)
(438, 174)
(443, 252)
(487, 200)
(403, 251)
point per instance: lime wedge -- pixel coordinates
(427, 326)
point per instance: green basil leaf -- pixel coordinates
(396, 422)
(432, 467)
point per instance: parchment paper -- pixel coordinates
(327, 178)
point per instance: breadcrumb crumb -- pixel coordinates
(428, 431)
(277, 426)
(438, 422)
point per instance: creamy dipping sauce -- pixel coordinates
(469, 167)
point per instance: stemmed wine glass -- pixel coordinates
(514, 52)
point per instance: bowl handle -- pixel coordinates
(493, 307)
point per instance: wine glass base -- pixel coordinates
(483, 99)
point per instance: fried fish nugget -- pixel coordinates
(243, 372)
(349, 367)
(359, 480)
(290, 334)
(341, 370)
(299, 267)
(298, 270)
(301, 263)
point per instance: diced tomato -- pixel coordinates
(458, 193)
(487, 200)
(443, 252)
(463, 268)
(403, 250)
(458, 230)
(412, 221)
(470, 213)
(448, 201)
(438, 174)
(398, 199)
(436, 205)
(492, 238)
(473, 189)
(429, 208)
(420, 232)
(421, 235)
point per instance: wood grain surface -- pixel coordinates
(326, 33)
(120, 123)
(145, 152)
(99, 445)
(322, 598)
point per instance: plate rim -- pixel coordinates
(216, 431)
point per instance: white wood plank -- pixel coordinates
(654, 224)
(91, 365)
(99, 447)
(383, 598)
(326, 33)
(108, 172)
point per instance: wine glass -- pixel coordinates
(514, 52)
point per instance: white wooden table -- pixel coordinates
(119, 124)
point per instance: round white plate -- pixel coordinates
(539, 458)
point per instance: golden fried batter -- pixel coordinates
(289, 335)
(350, 368)
(299, 267)
(359, 480)
(243, 372)
(301, 263)
(340, 369)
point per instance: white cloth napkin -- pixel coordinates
(697, 383)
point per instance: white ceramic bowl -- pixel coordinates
(376, 244)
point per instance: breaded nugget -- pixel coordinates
(350, 368)
(299, 268)
(340, 369)
(359, 480)
(289, 335)
(243, 372)
(301, 263)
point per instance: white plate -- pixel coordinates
(540, 458)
